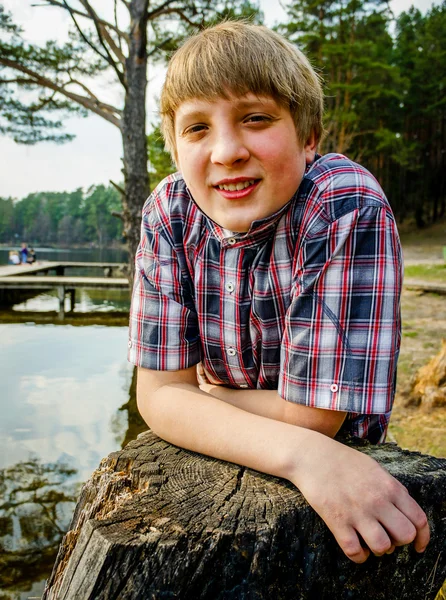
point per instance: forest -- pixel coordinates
(385, 85)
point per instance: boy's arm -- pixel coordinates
(349, 490)
(268, 403)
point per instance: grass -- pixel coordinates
(433, 272)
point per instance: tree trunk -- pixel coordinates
(134, 139)
(157, 522)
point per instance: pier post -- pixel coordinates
(61, 296)
(72, 293)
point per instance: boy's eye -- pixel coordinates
(195, 128)
(257, 118)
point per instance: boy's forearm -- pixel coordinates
(268, 403)
(188, 417)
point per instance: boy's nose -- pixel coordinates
(229, 150)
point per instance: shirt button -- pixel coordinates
(334, 387)
(230, 287)
(232, 241)
(231, 352)
(129, 344)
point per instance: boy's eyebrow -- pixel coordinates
(239, 104)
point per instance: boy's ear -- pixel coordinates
(310, 148)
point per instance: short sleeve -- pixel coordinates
(342, 330)
(163, 328)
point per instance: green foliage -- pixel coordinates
(100, 223)
(385, 94)
(350, 46)
(160, 161)
(62, 218)
(32, 79)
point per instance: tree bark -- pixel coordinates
(133, 127)
(157, 522)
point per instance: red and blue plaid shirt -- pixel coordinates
(306, 302)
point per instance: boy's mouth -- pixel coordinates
(236, 188)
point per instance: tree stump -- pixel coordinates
(158, 522)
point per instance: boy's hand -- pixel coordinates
(356, 497)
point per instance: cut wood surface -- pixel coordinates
(156, 522)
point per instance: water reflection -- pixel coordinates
(136, 424)
(36, 503)
(86, 301)
(67, 399)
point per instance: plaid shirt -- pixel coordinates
(306, 302)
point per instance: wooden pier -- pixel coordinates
(29, 278)
(45, 266)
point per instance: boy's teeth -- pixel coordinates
(236, 187)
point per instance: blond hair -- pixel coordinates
(237, 57)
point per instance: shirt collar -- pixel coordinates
(259, 231)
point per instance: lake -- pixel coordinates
(65, 396)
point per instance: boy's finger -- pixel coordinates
(351, 546)
(376, 537)
(398, 526)
(416, 515)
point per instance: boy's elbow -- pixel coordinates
(152, 404)
(146, 403)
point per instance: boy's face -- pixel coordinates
(240, 157)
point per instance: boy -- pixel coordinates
(279, 272)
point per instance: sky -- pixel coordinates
(94, 156)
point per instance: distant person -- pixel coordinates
(24, 253)
(14, 258)
(31, 256)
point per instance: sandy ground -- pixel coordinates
(424, 326)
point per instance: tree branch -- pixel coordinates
(102, 105)
(114, 47)
(117, 214)
(159, 46)
(81, 33)
(116, 23)
(20, 80)
(121, 191)
(100, 31)
(154, 13)
(180, 13)
(120, 33)
(105, 111)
